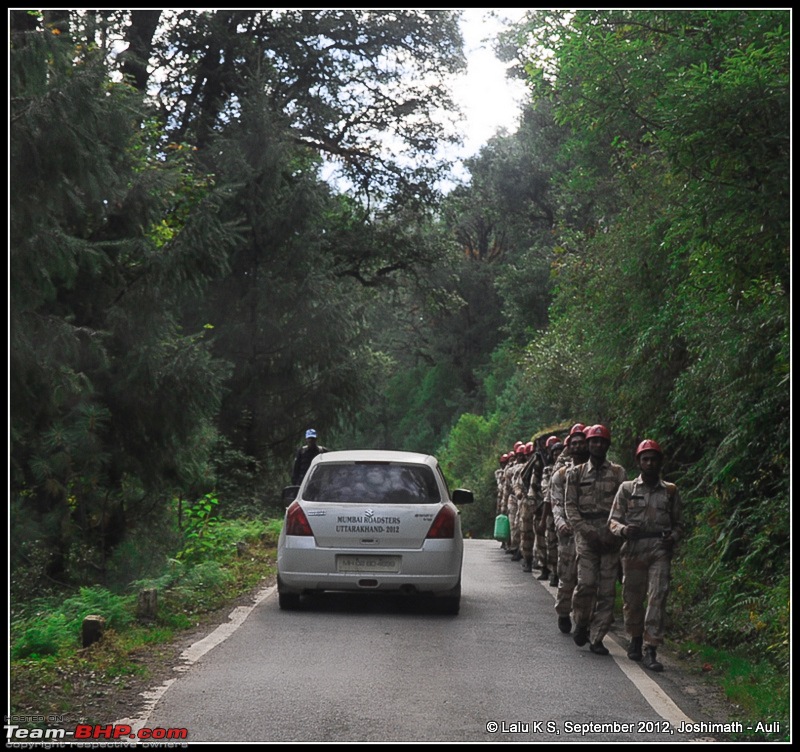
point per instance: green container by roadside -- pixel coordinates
(502, 528)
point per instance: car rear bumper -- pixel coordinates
(436, 568)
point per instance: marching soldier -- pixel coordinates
(647, 515)
(547, 529)
(575, 452)
(527, 505)
(499, 479)
(512, 500)
(591, 488)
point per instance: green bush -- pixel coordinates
(55, 628)
(45, 634)
(118, 610)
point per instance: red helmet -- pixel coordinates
(529, 448)
(552, 440)
(648, 445)
(503, 458)
(577, 428)
(566, 440)
(517, 445)
(597, 431)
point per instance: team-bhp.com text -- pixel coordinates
(84, 732)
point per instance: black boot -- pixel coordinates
(545, 575)
(598, 648)
(554, 580)
(635, 649)
(527, 565)
(581, 635)
(650, 661)
(517, 556)
(565, 624)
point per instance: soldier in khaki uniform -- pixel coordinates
(504, 489)
(506, 483)
(547, 528)
(575, 453)
(591, 488)
(527, 504)
(512, 499)
(500, 480)
(647, 515)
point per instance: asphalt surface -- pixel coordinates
(347, 668)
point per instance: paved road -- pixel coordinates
(376, 669)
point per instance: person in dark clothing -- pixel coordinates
(304, 456)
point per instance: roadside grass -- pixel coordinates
(758, 689)
(51, 674)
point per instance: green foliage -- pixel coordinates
(187, 589)
(50, 629)
(730, 587)
(50, 673)
(468, 462)
(158, 338)
(115, 609)
(669, 275)
(110, 392)
(373, 109)
(40, 636)
(200, 527)
(202, 575)
(272, 530)
(759, 689)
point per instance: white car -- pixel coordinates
(372, 520)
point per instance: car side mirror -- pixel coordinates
(463, 496)
(289, 494)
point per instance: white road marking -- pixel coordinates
(192, 654)
(649, 689)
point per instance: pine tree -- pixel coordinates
(107, 391)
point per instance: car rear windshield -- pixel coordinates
(373, 483)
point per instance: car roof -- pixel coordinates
(379, 455)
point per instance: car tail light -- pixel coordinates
(296, 521)
(444, 526)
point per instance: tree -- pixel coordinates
(186, 241)
(676, 305)
(108, 392)
(342, 79)
(270, 98)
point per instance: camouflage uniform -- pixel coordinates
(539, 540)
(567, 559)
(504, 486)
(646, 560)
(550, 536)
(511, 503)
(527, 505)
(517, 498)
(589, 495)
(527, 509)
(500, 479)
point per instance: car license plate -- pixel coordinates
(363, 564)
